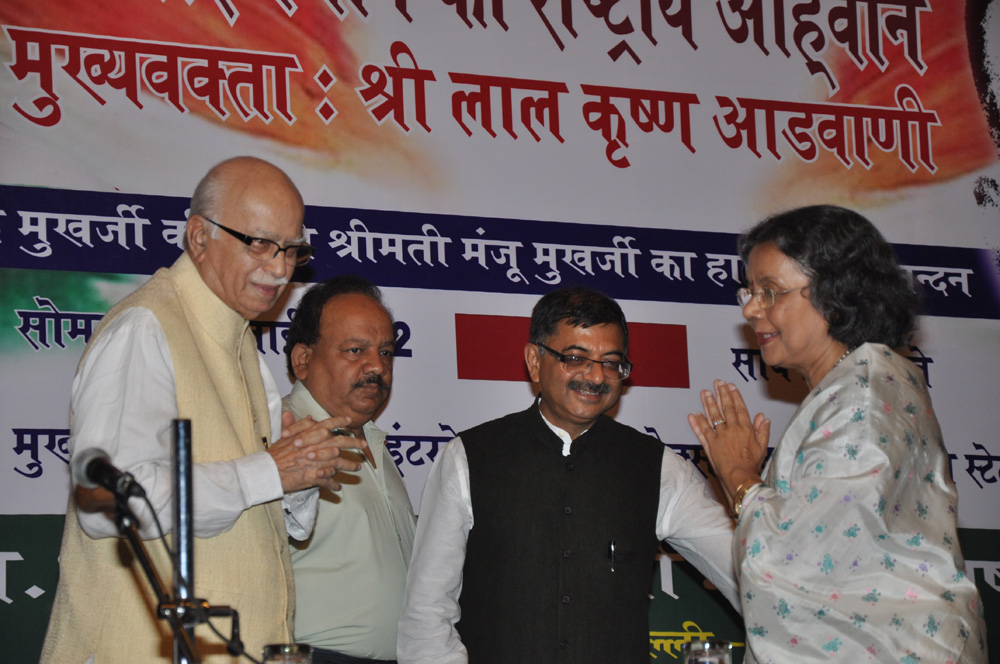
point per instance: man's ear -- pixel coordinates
(196, 235)
(532, 358)
(301, 354)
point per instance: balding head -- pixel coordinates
(255, 198)
(228, 178)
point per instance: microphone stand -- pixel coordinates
(181, 611)
(125, 520)
(183, 531)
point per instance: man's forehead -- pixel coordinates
(273, 211)
(351, 309)
(607, 336)
(269, 226)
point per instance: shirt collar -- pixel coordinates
(564, 436)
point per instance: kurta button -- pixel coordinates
(565, 599)
(567, 510)
(570, 465)
(567, 553)
(564, 644)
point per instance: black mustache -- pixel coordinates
(373, 379)
(587, 386)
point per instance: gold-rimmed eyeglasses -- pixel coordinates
(765, 296)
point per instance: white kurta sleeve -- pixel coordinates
(695, 524)
(427, 631)
(300, 507)
(124, 402)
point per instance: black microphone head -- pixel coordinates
(80, 463)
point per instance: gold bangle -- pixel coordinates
(741, 493)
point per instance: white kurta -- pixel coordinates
(849, 550)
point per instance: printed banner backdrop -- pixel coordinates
(469, 156)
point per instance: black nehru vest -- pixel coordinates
(538, 584)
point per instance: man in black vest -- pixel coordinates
(538, 531)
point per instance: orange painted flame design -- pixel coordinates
(961, 145)
(352, 141)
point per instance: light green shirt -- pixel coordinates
(350, 575)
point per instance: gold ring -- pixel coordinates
(718, 422)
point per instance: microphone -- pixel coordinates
(92, 468)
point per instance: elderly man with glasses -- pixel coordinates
(538, 531)
(181, 347)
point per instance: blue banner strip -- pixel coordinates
(57, 229)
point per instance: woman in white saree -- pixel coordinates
(846, 540)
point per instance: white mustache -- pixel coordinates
(268, 280)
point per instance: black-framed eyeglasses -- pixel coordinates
(572, 364)
(264, 250)
(765, 296)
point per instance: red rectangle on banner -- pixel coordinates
(492, 348)
(660, 355)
